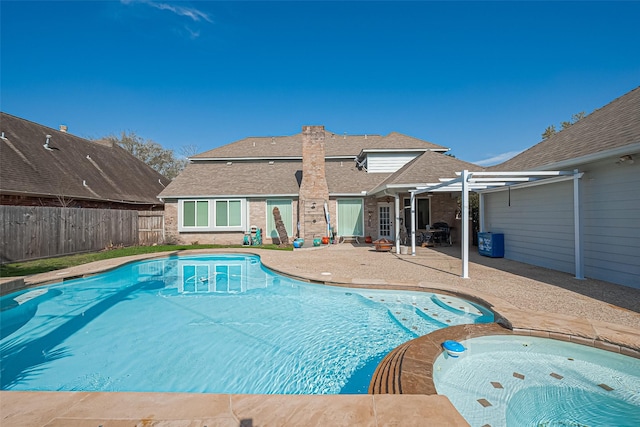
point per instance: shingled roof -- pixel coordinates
(275, 147)
(272, 166)
(429, 167)
(260, 178)
(615, 125)
(71, 167)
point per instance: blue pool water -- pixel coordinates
(530, 381)
(210, 324)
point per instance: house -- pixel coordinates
(591, 224)
(323, 183)
(41, 166)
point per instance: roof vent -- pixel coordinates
(229, 163)
(345, 136)
(84, 182)
(271, 162)
(46, 144)
(64, 128)
(273, 140)
(3, 137)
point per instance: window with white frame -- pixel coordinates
(212, 215)
(195, 214)
(228, 213)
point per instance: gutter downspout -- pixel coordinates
(577, 228)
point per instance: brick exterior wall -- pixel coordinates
(257, 217)
(443, 208)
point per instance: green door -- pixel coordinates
(286, 212)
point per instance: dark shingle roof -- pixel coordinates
(335, 145)
(615, 125)
(109, 172)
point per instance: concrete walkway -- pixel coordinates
(526, 298)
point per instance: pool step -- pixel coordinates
(455, 304)
(414, 320)
(386, 378)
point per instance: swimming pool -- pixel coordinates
(210, 324)
(521, 380)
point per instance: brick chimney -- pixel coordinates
(314, 191)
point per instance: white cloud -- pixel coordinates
(194, 14)
(498, 158)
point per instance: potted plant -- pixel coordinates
(383, 245)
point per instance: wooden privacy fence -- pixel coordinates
(29, 232)
(150, 227)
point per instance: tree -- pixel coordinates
(551, 130)
(162, 160)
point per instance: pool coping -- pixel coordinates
(413, 369)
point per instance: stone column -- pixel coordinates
(314, 191)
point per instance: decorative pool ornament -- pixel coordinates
(453, 348)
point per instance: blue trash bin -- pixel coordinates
(491, 244)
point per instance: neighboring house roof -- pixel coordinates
(335, 145)
(71, 167)
(610, 128)
(429, 167)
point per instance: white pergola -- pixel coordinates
(482, 182)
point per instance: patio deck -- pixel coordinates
(529, 299)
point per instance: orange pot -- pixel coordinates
(325, 240)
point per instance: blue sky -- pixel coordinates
(483, 78)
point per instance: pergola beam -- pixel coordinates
(473, 181)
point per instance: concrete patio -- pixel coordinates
(528, 299)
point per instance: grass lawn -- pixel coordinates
(50, 264)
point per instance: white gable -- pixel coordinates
(388, 162)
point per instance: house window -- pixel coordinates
(228, 213)
(350, 217)
(212, 215)
(195, 213)
(423, 213)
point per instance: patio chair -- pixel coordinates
(444, 235)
